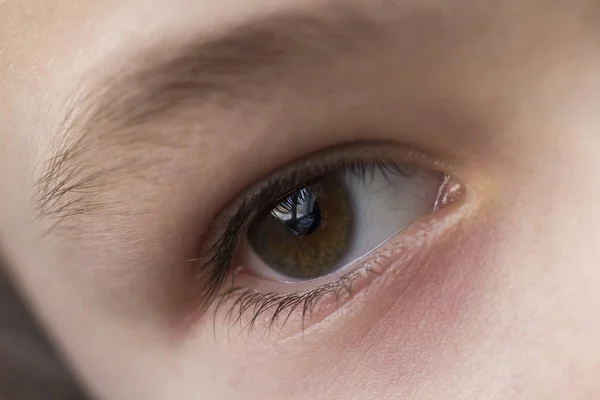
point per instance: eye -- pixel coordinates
(327, 225)
(305, 231)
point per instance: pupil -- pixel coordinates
(303, 215)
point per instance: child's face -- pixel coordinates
(132, 130)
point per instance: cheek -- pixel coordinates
(402, 334)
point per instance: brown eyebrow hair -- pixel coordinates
(231, 68)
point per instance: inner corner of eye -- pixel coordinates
(320, 229)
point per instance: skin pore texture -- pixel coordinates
(127, 126)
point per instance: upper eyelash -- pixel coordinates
(216, 263)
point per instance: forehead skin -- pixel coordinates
(508, 92)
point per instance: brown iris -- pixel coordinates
(308, 233)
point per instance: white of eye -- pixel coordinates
(386, 203)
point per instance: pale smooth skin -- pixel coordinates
(507, 94)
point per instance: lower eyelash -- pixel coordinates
(280, 307)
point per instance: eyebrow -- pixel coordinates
(231, 66)
(223, 71)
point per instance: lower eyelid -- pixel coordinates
(244, 309)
